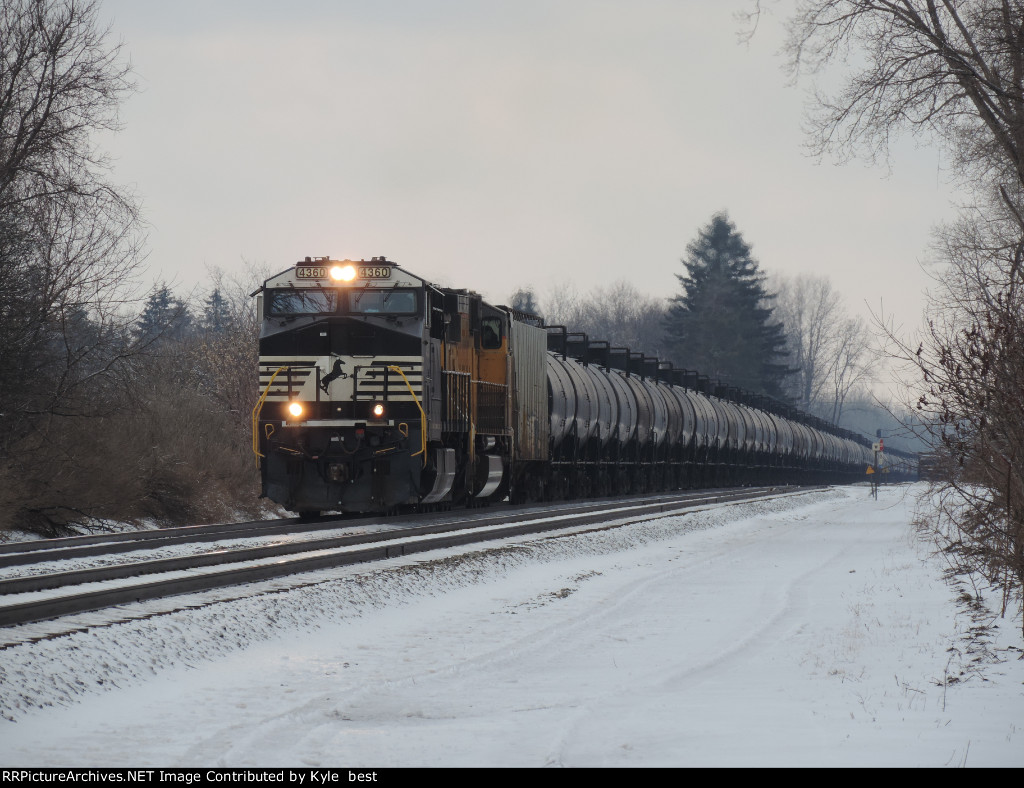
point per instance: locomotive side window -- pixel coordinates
(437, 324)
(301, 302)
(390, 302)
(490, 336)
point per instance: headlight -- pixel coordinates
(378, 410)
(295, 409)
(343, 273)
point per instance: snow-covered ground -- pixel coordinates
(807, 631)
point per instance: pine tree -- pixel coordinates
(164, 317)
(523, 300)
(721, 325)
(216, 313)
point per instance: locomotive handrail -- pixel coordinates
(423, 416)
(256, 414)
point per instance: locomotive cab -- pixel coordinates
(379, 390)
(340, 424)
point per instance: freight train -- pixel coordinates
(380, 390)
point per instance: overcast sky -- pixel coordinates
(492, 145)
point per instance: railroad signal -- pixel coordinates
(877, 447)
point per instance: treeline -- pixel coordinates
(152, 424)
(954, 74)
(105, 412)
(791, 338)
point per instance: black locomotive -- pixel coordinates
(380, 390)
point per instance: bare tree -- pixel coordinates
(831, 351)
(851, 368)
(618, 313)
(60, 81)
(193, 392)
(69, 240)
(625, 316)
(971, 359)
(563, 306)
(225, 362)
(953, 72)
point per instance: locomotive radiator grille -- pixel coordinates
(375, 381)
(463, 394)
(308, 378)
(491, 407)
(290, 382)
(457, 402)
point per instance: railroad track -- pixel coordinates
(46, 589)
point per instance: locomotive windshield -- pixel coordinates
(301, 302)
(392, 302)
(331, 302)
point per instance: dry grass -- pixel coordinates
(175, 456)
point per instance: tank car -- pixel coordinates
(379, 390)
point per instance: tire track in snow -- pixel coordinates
(425, 693)
(776, 618)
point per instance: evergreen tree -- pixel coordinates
(721, 325)
(524, 300)
(163, 317)
(216, 313)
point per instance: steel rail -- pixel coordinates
(63, 548)
(40, 610)
(108, 544)
(50, 546)
(20, 585)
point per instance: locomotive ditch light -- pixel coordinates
(377, 410)
(343, 273)
(295, 409)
